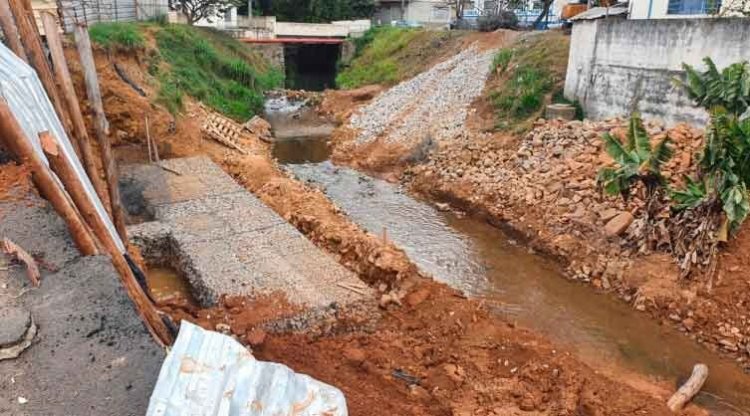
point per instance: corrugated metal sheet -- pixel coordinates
(22, 89)
(210, 374)
(602, 12)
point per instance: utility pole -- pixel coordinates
(403, 10)
(249, 9)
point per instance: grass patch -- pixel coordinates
(212, 68)
(117, 35)
(387, 55)
(525, 77)
(502, 60)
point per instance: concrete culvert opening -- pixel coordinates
(311, 67)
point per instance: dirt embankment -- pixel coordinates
(542, 186)
(431, 351)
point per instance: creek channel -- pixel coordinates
(522, 287)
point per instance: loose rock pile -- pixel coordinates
(549, 181)
(434, 103)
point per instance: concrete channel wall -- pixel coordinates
(227, 242)
(617, 66)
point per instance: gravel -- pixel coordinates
(434, 103)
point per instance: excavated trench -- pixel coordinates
(521, 286)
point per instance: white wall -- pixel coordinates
(617, 66)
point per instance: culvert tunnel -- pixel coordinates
(311, 66)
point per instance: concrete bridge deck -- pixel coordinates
(226, 241)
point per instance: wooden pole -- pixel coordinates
(32, 43)
(101, 126)
(62, 74)
(10, 30)
(67, 175)
(689, 389)
(48, 187)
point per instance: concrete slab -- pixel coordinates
(226, 241)
(91, 354)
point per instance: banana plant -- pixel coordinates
(636, 160)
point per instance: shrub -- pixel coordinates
(504, 20)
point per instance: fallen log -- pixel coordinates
(48, 186)
(688, 390)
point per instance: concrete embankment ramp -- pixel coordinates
(226, 241)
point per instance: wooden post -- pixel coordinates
(67, 175)
(10, 30)
(689, 389)
(32, 43)
(62, 74)
(101, 126)
(48, 187)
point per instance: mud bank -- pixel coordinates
(431, 350)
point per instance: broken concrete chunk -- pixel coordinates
(260, 127)
(618, 224)
(14, 322)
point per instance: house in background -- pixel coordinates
(685, 9)
(428, 13)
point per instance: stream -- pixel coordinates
(520, 286)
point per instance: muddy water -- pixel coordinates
(166, 286)
(526, 288)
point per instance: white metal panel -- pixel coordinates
(21, 88)
(210, 374)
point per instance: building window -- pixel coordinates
(693, 6)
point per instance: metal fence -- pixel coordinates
(96, 11)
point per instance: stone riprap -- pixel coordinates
(226, 241)
(433, 104)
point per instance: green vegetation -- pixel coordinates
(214, 69)
(315, 11)
(713, 201)
(204, 64)
(123, 36)
(721, 183)
(387, 55)
(501, 61)
(525, 75)
(375, 62)
(637, 161)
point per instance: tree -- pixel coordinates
(196, 10)
(545, 11)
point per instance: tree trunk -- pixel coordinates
(48, 186)
(69, 95)
(545, 11)
(101, 127)
(67, 175)
(10, 30)
(35, 52)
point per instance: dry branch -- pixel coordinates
(32, 271)
(689, 389)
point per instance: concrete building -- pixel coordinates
(430, 13)
(682, 9)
